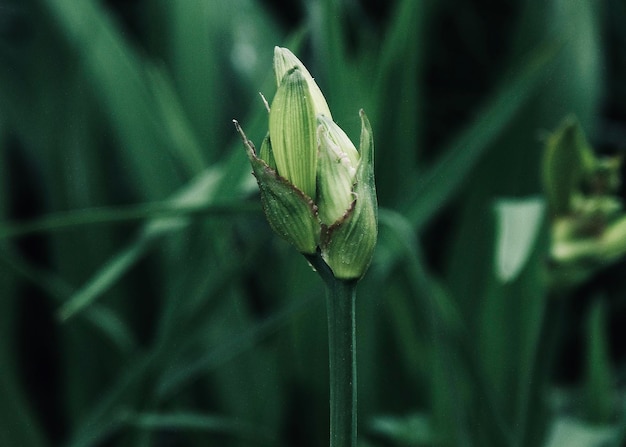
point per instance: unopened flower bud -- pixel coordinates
(317, 190)
(588, 221)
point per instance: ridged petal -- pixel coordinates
(293, 132)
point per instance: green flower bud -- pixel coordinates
(588, 221)
(317, 190)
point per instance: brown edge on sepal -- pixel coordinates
(328, 230)
(349, 246)
(251, 150)
(287, 183)
(261, 169)
(270, 184)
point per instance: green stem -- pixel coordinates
(340, 304)
(340, 307)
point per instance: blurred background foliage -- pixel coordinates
(144, 300)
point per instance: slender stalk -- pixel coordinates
(340, 307)
(340, 304)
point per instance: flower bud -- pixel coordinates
(588, 221)
(317, 191)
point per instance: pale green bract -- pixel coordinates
(336, 155)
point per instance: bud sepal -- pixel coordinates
(348, 244)
(290, 212)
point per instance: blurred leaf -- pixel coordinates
(181, 138)
(516, 329)
(110, 273)
(186, 421)
(198, 193)
(113, 328)
(232, 345)
(576, 83)
(189, 32)
(108, 215)
(568, 432)
(399, 246)
(434, 347)
(412, 430)
(439, 184)
(50, 283)
(599, 390)
(106, 416)
(519, 222)
(397, 97)
(123, 83)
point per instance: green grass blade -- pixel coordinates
(125, 84)
(50, 283)
(110, 273)
(198, 193)
(187, 421)
(129, 213)
(230, 347)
